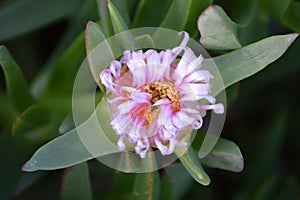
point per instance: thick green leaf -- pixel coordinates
(62, 152)
(192, 164)
(99, 57)
(76, 183)
(86, 142)
(217, 30)
(177, 15)
(16, 85)
(145, 16)
(27, 15)
(33, 117)
(126, 40)
(244, 62)
(146, 186)
(175, 182)
(225, 155)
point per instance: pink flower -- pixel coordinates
(155, 95)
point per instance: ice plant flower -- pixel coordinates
(155, 95)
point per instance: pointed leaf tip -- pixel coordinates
(293, 37)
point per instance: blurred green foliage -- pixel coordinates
(46, 39)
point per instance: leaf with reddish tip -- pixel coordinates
(76, 183)
(67, 125)
(192, 164)
(16, 85)
(225, 155)
(217, 30)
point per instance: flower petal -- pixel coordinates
(142, 147)
(198, 76)
(107, 80)
(181, 120)
(181, 69)
(115, 68)
(217, 108)
(194, 91)
(138, 70)
(162, 148)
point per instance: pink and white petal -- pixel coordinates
(116, 100)
(134, 132)
(138, 55)
(164, 114)
(127, 55)
(127, 89)
(172, 144)
(181, 69)
(127, 106)
(162, 148)
(107, 80)
(194, 65)
(167, 59)
(140, 97)
(181, 120)
(120, 123)
(138, 70)
(198, 122)
(142, 147)
(115, 68)
(121, 144)
(191, 111)
(153, 65)
(161, 102)
(167, 133)
(194, 91)
(198, 76)
(217, 108)
(176, 51)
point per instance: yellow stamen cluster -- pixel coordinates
(164, 90)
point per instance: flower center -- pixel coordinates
(164, 90)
